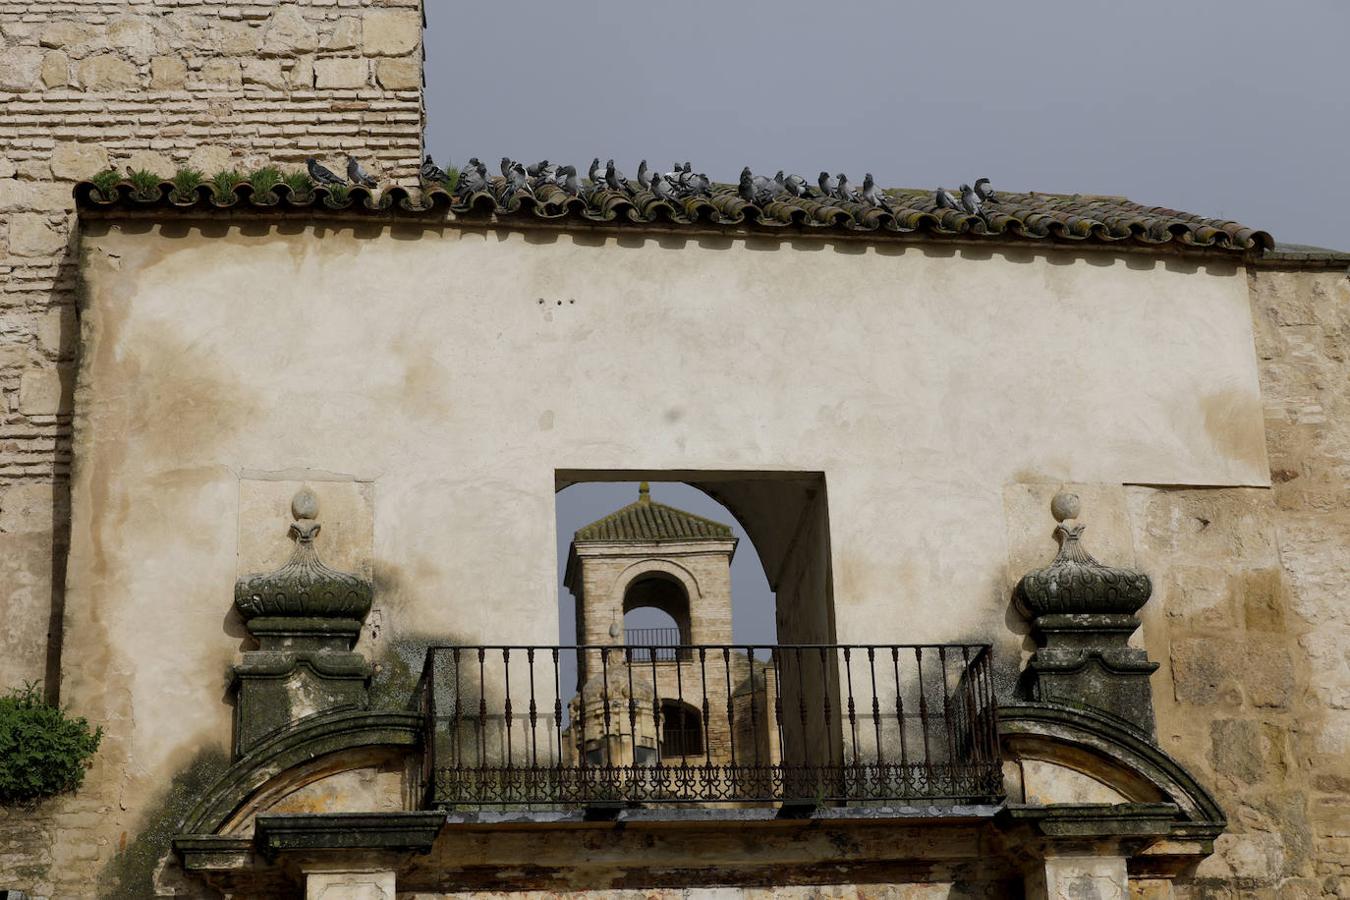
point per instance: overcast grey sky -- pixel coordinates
(1239, 109)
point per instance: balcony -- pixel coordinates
(562, 727)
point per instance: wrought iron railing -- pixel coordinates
(576, 726)
(660, 644)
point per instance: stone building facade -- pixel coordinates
(1234, 501)
(91, 84)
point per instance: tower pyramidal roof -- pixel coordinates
(648, 521)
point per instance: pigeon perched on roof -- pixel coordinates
(643, 178)
(662, 189)
(796, 186)
(944, 199)
(433, 173)
(517, 182)
(537, 169)
(746, 187)
(320, 174)
(614, 178)
(984, 191)
(969, 201)
(872, 195)
(699, 185)
(358, 175)
(826, 186)
(505, 165)
(595, 173)
(843, 190)
(566, 179)
(473, 179)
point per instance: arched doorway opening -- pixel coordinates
(681, 731)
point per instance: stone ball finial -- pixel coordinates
(305, 504)
(1065, 506)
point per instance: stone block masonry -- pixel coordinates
(147, 85)
(97, 83)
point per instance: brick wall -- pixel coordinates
(152, 85)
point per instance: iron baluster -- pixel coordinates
(852, 715)
(923, 711)
(482, 708)
(731, 714)
(557, 710)
(534, 713)
(506, 668)
(754, 717)
(703, 680)
(876, 703)
(632, 702)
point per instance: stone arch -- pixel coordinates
(320, 747)
(1082, 756)
(676, 594)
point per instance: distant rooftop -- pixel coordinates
(645, 521)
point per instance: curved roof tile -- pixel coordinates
(648, 521)
(1030, 216)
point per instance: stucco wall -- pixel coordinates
(425, 366)
(87, 84)
(98, 83)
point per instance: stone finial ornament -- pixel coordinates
(304, 586)
(1075, 582)
(306, 617)
(1082, 614)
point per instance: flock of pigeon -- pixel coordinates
(680, 182)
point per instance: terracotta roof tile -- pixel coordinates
(1033, 217)
(648, 521)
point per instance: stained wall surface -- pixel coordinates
(91, 84)
(451, 373)
(88, 84)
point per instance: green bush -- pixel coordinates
(42, 750)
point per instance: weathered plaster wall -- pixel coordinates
(1255, 687)
(916, 381)
(1249, 618)
(91, 83)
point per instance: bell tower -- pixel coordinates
(648, 554)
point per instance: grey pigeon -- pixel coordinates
(432, 173)
(506, 164)
(944, 199)
(746, 188)
(699, 184)
(595, 173)
(472, 180)
(969, 202)
(871, 195)
(614, 178)
(842, 190)
(662, 189)
(537, 169)
(320, 174)
(984, 191)
(516, 182)
(567, 180)
(358, 175)
(796, 186)
(643, 178)
(826, 186)
(547, 175)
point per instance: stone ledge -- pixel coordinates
(276, 833)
